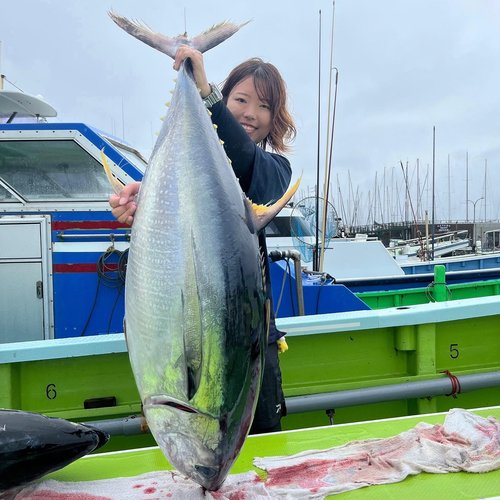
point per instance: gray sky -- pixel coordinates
(404, 67)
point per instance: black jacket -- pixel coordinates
(264, 177)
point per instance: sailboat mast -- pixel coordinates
(419, 195)
(433, 184)
(1, 76)
(485, 179)
(407, 217)
(449, 191)
(467, 186)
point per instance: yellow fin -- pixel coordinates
(116, 184)
(264, 214)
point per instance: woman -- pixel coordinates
(251, 114)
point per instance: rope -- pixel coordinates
(456, 388)
(110, 277)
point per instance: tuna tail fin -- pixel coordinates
(203, 42)
(264, 214)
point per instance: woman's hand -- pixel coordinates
(184, 52)
(124, 206)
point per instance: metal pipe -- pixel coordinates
(393, 392)
(276, 255)
(295, 255)
(128, 426)
(108, 236)
(136, 424)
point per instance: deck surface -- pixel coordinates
(447, 486)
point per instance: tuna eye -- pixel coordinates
(208, 472)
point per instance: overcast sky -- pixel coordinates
(404, 67)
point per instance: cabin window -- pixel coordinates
(51, 170)
(280, 227)
(492, 240)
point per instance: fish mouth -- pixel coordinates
(166, 401)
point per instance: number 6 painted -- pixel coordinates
(51, 391)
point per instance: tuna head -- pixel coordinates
(32, 445)
(200, 445)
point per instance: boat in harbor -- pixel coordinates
(60, 246)
(63, 255)
(442, 245)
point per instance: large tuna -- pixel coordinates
(195, 311)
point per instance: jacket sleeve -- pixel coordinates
(263, 176)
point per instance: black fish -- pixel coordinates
(32, 445)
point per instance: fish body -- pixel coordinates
(32, 445)
(196, 318)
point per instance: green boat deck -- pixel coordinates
(453, 486)
(77, 379)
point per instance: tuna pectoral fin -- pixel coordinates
(264, 214)
(203, 42)
(116, 184)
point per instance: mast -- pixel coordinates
(467, 186)
(407, 194)
(1, 76)
(393, 206)
(449, 191)
(384, 198)
(419, 195)
(485, 178)
(433, 184)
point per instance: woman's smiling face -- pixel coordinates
(247, 107)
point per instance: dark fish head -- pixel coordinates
(100, 437)
(195, 443)
(32, 445)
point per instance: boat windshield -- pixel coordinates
(281, 227)
(492, 240)
(50, 170)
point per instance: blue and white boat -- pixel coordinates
(60, 246)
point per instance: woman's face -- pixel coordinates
(246, 106)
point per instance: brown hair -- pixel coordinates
(270, 88)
